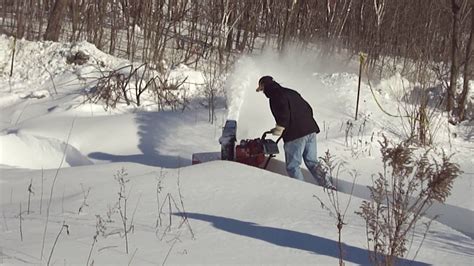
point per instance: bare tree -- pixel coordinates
(467, 69)
(53, 30)
(454, 56)
(412, 34)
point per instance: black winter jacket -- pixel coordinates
(291, 111)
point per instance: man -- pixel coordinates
(295, 123)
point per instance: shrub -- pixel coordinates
(400, 196)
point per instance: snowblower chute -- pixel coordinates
(228, 139)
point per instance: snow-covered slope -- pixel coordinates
(237, 214)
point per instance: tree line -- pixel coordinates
(416, 35)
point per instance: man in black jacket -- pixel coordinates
(295, 123)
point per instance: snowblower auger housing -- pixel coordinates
(249, 151)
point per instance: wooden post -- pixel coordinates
(13, 55)
(362, 57)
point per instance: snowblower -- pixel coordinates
(255, 152)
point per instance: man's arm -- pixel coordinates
(281, 111)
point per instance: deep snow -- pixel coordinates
(238, 214)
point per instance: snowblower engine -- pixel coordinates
(250, 151)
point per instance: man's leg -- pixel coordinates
(310, 157)
(293, 157)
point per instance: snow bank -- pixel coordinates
(39, 60)
(46, 93)
(43, 66)
(194, 79)
(27, 151)
(394, 87)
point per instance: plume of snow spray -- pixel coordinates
(304, 71)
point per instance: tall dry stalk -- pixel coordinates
(400, 196)
(52, 186)
(64, 225)
(30, 191)
(336, 208)
(121, 178)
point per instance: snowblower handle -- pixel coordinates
(269, 132)
(278, 140)
(265, 134)
(270, 146)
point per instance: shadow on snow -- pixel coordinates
(291, 239)
(153, 130)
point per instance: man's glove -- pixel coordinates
(277, 130)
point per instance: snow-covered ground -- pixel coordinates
(236, 214)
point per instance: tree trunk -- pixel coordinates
(20, 19)
(467, 68)
(55, 20)
(288, 19)
(228, 43)
(74, 9)
(113, 28)
(454, 60)
(328, 19)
